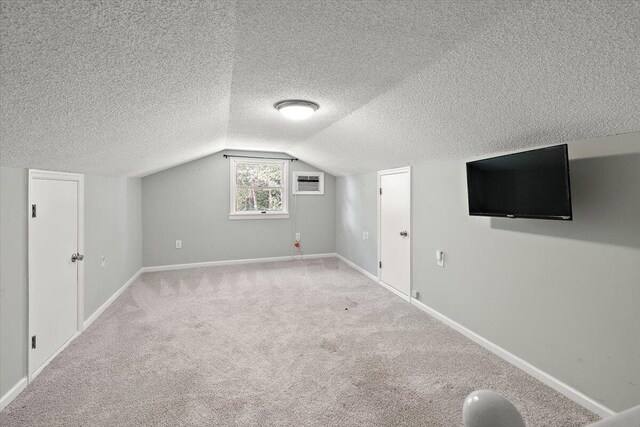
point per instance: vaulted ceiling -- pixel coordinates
(132, 87)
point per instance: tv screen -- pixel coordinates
(532, 184)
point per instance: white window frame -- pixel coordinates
(233, 214)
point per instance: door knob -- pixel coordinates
(76, 257)
(403, 233)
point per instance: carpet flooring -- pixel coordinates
(296, 343)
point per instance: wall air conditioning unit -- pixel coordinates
(308, 183)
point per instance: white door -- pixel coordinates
(53, 275)
(394, 216)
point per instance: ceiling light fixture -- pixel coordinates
(295, 109)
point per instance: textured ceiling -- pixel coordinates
(113, 87)
(548, 73)
(127, 88)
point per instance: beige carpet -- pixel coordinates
(295, 343)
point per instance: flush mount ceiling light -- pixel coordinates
(295, 109)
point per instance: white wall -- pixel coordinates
(112, 227)
(563, 296)
(190, 202)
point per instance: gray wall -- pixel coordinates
(113, 214)
(190, 202)
(13, 277)
(113, 228)
(356, 205)
(563, 296)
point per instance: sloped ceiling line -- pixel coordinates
(129, 88)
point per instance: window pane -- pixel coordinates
(258, 199)
(259, 175)
(244, 200)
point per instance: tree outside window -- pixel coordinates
(259, 188)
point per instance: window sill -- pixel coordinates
(235, 216)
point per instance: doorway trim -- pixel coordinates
(405, 169)
(36, 174)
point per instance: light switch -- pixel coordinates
(178, 244)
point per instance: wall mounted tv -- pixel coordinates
(531, 184)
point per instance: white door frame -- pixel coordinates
(57, 176)
(406, 169)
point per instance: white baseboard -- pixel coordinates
(111, 299)
(527, 367)
(540, 375)
(230, 262)
(13, 393)
(356, 267)
(372, 277)
(35, 373)
(394, 290)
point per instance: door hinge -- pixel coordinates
(33, 342)
(381, 191)
(33, 211)
(380, 264)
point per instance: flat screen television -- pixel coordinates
(531, 184)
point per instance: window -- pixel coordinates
(259, 188)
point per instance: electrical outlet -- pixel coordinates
(178, 244)
(297, 237)
(365, 235)
(103, 260)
